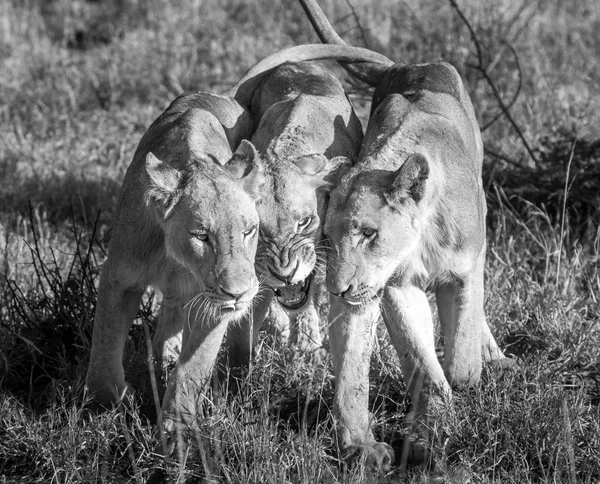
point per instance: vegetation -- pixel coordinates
(81, 81)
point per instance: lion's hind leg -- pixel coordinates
(491, 352)
(468, 340)
(460, 309)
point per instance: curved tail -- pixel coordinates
(243, 91)
(367, 72)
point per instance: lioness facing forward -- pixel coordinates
(188, 226)
(409, 215)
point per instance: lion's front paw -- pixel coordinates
(107, 395)
(377, 456)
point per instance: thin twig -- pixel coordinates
(502, 156)
(123, 423)
(358, 24)
(36, 254)
(517, 92)
(490, 81)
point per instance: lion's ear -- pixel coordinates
(311, 164)
(339, 166)
(243, 160)
(246, 148)
(246, 166)
(323, 171)
(164, 179)
(410, 179)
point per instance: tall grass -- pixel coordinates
(79, 84)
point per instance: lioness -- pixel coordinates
(409, 215)
(188, 226)
(307, 129)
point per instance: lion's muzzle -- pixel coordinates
(235, 293)
(353, 295)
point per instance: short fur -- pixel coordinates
(409, 215)
(307, 129)
(188, 226)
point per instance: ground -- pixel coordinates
(81, 81)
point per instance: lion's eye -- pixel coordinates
(201, 235)
(250, 232)
(305, 222)
(368, 233)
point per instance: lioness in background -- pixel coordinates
(409, 215)
(306, 129)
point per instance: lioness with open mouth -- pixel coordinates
(306, 130)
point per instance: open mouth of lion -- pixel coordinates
(293, 297)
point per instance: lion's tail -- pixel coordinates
(244, 89)
(367, 72)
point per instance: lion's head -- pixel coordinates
(210, 224)
(373, 229)
(291, 209)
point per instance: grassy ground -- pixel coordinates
(79, 84)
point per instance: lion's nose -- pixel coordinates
(342, 291)
(234, 292)
(288, 278)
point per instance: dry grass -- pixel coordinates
(81, 81)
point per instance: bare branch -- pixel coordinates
(358, 24)
(502, 156)
(511, 103)
(480, 67)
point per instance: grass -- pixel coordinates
(80, 83)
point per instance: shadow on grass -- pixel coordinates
(63, 200)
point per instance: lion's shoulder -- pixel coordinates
(225, 111)
(413, 80)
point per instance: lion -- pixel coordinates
(307, 129)
(409, 215)
(186, 222)
(188, 226)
